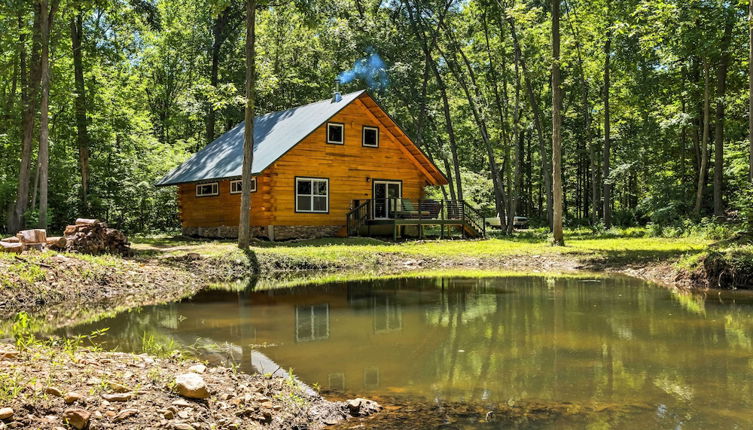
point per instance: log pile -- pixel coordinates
(87, 236)
(91, 236)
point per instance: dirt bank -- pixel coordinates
(61, 386)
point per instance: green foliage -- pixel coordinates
(151, 86)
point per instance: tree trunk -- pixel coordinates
(607, 210)
(244, 230)
(44, 130)
(559, 238)
(82, 136)
(704, 142)
(16, 213)
(721, 89)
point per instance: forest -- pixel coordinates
(100, 98)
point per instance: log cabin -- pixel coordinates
(336, 167)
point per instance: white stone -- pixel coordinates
(191, 385)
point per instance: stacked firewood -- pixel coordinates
(91, 236)
(87, 236)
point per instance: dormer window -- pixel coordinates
(370, 137)
(335, 133)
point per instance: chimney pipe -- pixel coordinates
(337, 96)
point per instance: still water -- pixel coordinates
(567, 353)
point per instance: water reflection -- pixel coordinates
(680, 359)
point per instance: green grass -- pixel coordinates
(355, 249)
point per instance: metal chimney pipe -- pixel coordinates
(337, 96)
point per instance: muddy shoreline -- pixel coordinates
(49, 386)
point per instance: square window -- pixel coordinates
(312, 195)
(311, 322)
(371, 137)
(335, 133)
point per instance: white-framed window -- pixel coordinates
(312, 195)
(208, 189)
(336, 381)
(370, 137)
(371, 377)
(388, 315)
(237, 186)
(311, 322)
(335, 133)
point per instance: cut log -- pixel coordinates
(56, 242)
(13, 239)
(11, 247)
(32, 236)
(86, 221)
(69, 230)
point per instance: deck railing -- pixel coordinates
(423, 211)
(358, 217)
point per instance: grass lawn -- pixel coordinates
(620, 247)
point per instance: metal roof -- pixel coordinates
(274, 135)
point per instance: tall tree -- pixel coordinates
(244, 230)
(721, 91)
(704, 141)
(82, 132)
(750, 88)
(48, 13)
(546, 165)
(19, 207)
(607, 210)
(222, 26)
(557, 197)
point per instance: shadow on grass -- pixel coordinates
(626, 258)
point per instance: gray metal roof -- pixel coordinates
(274, 135)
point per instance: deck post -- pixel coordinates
(394, 231)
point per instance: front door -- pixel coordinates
(387, 195)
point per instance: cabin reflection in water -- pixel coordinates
(615, 340)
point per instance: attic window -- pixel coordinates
(370, 137)
(335, 133)
(236, 187)
(206, 190)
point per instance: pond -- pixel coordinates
(527, 352)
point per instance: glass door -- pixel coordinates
(387, 195)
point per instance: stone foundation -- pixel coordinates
(272, 232)
(287, 232)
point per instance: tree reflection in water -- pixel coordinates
(488, 342)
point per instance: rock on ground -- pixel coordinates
(77, 418)
(6, 413)
(191, 385)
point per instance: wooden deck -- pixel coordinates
(397, 214)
